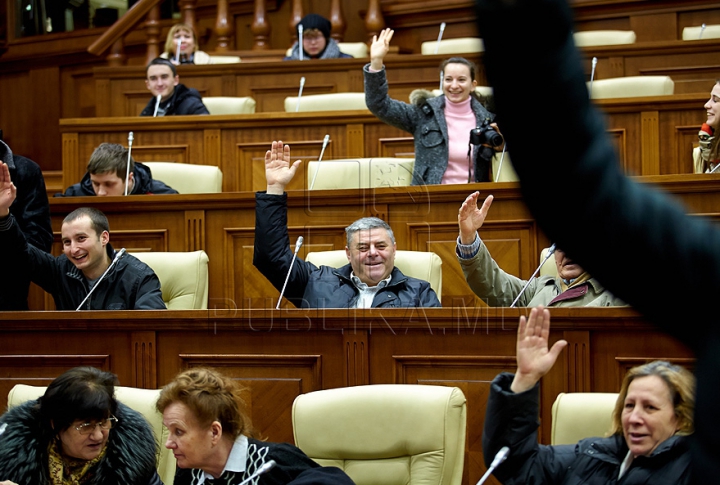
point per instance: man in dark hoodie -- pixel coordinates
(106, 175)
(161, 79)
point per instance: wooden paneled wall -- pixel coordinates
(281, 354)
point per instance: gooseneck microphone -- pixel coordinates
(127, 168)
(302, 85)
(702, 29)
(442, 29)
(301, 47)
(502, 158)
(317, 169)
(499, 458)
(157, 104)
(264, 468)
(592, 74)
(298, 244)
(550, 252)
(117, 258)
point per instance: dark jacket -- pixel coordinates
(144, 184)
(615, 221)
(425, 120)
(323, 287)
(292, 466)
(32, 212)
(184, 101)
(511, 420)
(130, 285)
(130, 457)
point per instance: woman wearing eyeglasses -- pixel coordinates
(77, 434)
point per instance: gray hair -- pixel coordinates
(365, 224)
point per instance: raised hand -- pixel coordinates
(470, 218)
(278, 169)
(379, 48)
(534, 359)
(7, 190)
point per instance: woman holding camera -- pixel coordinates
(442, 125)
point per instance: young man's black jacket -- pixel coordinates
(184, 101)
(144, 184)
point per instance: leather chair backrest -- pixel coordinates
(391, 434)
(453, 46)
(631, 87)
(580, 415)
(141, 400)
(326, 102)
(229, 105)
(224, 59)
(694, 33)
(423, 265)
(360, 173)
(604, 37)
(188, 178)
(183, 277)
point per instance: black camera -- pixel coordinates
(485, 135)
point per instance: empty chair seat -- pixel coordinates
(632, 86)
(326, 102)
(579, 415)
(183, 277)
(224, 59)
(355, 49)
(604, 37)
(453, 46)
(360, 173)
(229, 105)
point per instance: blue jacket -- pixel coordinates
(323, 287)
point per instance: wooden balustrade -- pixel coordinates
(278, 355)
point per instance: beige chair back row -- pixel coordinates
(580, 415)
(141, 400)
(183, 277)
(188, 178)
(385, 434)
(424, 265)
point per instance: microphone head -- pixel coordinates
(267, 466)
(131, 137)
(298, 243)
(158, 97)
(326, 140)
(552, 248)
(500, 457)
(2, 428)
(302, 81)
(442, 26)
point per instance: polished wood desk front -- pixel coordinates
(422, 218)
(281, 354)
(653, 136)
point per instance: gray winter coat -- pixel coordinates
(425, 119)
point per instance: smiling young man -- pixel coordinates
(87, 254)
(161, 79)
(106, 171)
(369, 280)
(572, 287)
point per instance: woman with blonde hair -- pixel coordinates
(212, 437)
(181, 46)
(648, 442)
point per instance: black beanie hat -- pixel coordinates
(315, 21)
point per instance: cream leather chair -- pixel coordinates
(360, 173)
(580, 415)
(604, 37)
(188, 178)
(461, 45)
(326, 102)
(693, 33)
(224, 59)
(632, 86)
(549, 268)
(507, 172)
(389, 434)
(141, 400)
(183, 278)
(229, 105)
(423, 265)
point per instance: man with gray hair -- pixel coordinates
(369, 280)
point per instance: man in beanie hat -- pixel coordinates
(316, 41)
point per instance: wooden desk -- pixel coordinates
(422, 218)
(281, 354)
(653, 136)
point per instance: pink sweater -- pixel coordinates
(460, 120)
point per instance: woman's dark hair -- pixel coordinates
(80, 393)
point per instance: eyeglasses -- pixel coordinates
(87, 428)
(313, 34)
